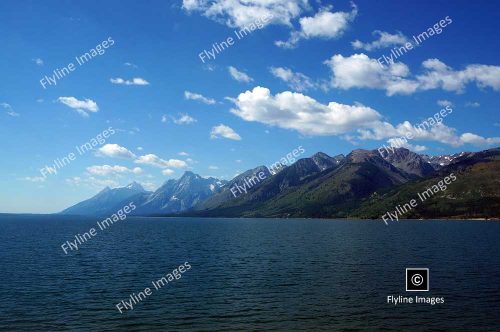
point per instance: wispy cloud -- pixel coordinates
(154, 160)
(225, 132)
(91, 181)
(184, 119)
(239, 75)
(34, 178)
(80, 106)
(134, 81)
(472, 104)
(198, 97)
(9, 110)
(384, 40)
(106, 170)
(38, 61)
(296, 81)
(209, 67)
(167, 171)
(117, 151)
(129, 64)
(444, 103)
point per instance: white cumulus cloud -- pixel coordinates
(439, 75)
(479, 140)
(360, 71)
(296, 111)
(324, 24)
(115, 151)
(241, 13)
(299, 112)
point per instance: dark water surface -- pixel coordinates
(247, 274)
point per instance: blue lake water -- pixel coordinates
(247, 274)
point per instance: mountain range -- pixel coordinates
(362, 184)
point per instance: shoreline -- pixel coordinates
(277, 218)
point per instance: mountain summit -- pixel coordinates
(410, 162)
(179, 195)
(135, 186)
(106, 200)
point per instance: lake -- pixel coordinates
(246, 274)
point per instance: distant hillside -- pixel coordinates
(475, 193)
(365, 185)
(303, 190)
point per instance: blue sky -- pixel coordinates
(171, 112)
